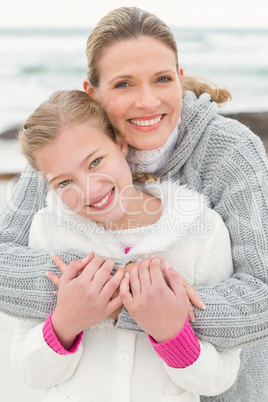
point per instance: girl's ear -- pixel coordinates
(89, 89)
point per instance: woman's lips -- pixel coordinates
(147, 123)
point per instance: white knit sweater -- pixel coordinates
(116, 365)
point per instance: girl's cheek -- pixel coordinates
(73, 199)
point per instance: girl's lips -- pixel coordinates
(147, 123)
(103, 202)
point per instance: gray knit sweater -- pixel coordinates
(225, 161)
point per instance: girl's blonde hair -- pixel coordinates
(126, 23)
(62, 109)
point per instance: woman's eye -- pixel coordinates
(64, 183)
(122, 85)
(163, 79)
(95, 162)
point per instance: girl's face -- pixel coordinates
(141, 90)
(89, 172)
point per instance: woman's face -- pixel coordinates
(141, 90)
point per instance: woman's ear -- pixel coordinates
(124, 148)
(89, 89)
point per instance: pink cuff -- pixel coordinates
(51, 339)
(181, 351)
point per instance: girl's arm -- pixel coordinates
(47, 354)
(36, 363)
(161, 311)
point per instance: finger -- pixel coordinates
(135, 280)
(143, 274)
(60, 263)
(102, 274)
(124, 292)
(191, 312)
(55, 279)
(73, 270)
(91, 268)
(174, 279)
(114, 304)
(63, 267)
(156, 271)
(193, 296)
(112, 285)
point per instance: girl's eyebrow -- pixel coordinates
(81, 164)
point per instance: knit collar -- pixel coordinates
(152, 161)
(197, 113)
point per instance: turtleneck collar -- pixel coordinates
(152, 161)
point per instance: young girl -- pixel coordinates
(70, 139)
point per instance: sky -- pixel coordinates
(180, 13)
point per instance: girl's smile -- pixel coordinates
(104, 201)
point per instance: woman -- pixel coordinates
(130, 74)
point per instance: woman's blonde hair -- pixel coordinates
(126, 23)
(62, 109)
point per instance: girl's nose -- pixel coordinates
(91, 188)
(147, 99)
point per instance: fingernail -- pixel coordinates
(139, 260)
(167, 264)
(48, 275)
(126, 275)
(202, 305)
(53, 256)
(84, 259)
(192, 317)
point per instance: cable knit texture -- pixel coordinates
(181, 351)
(152, 161)
(51, 339)
(227, 162)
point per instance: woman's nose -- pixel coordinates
(147, 99)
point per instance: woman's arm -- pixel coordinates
(237, 309)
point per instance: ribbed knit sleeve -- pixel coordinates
(181, 351)
(52, 340)
(227, 163)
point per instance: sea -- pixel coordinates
(34, 62)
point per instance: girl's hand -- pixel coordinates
(158, 307)
(85, 299)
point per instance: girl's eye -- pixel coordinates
(95, 162)
(122, 85)
(163, 79)
(64, 183)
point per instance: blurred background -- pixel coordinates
(42, 49)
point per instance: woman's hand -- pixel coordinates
(158, 307)
(193, 296)
(85, 299)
